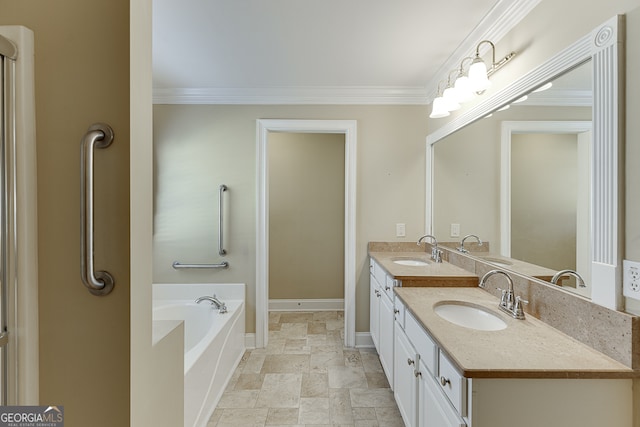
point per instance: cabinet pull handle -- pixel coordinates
(99, 135)
(444, 381)
(410, 362)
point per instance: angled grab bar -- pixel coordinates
(99, 135)
(221, 249)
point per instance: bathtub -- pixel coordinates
(213, 342)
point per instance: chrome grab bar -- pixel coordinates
(99, 135)
(223, 264)
(221, 250)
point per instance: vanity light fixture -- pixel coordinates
(522, 99)
(439, 106)
(506, 107)
(465, 87)
(478, 72)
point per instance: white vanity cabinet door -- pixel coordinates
(405, 391)
(374, 311)
(434, 410)
(386, 337)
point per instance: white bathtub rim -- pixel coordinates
(233, 308)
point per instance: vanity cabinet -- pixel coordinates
(421, 399)
(381, 316)
(431, 392)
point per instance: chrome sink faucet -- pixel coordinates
(573, 273)
(436, 254)
(509, 303)
(222, 307)
(462, 249)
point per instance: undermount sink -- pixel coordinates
(497, 261)
(411, 262)
(469, 316)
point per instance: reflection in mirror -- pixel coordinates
(519, 179)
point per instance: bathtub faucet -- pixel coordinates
(222, 307)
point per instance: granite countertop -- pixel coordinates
(525, 349)
(434, 274)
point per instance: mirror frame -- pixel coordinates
(604, 46)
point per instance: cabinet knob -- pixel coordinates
(417, 374)
(410, 362)
(386, 288)
(444, 381)
(378, 294)
(396, 311)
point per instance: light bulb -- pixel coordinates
(439, 110)
(451, 99)
(463, 89)
(478, 75)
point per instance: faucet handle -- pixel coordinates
(517, 308)
(503, 297)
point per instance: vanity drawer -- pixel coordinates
(453, 384)
(387, 286)
(422, 342)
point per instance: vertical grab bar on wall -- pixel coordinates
(99, 135)
(221, 249)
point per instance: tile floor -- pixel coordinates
(305, 377)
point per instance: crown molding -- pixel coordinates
(501, 19)
(354, 95)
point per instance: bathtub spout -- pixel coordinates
(222, 307)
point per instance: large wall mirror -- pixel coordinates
(534, 170)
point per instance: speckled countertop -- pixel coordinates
(433, 274)
(525, 349)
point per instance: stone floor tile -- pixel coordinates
(372, 398)
(295, 317)
(249, 382)
(389, 416)
(243, 417)
(376, 380)
(254, 363)
(340, 409)
(282, 416)
(293, 330)
(346, 377)
(315, 385)
(316, 328)
(285, 363)
(238, 399)
(280, 391)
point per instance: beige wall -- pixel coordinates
(306, 215)
(390, 179)
(81, 77)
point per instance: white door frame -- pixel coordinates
(349, 129)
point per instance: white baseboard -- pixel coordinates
(363, 340)
(306, 304)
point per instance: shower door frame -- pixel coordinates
(19, 233)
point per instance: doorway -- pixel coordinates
(348, 129)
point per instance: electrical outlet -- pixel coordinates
(400, 230)
(455, 230)
(631, 279)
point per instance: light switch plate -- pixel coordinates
(631, 279)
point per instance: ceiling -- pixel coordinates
(306, 51)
